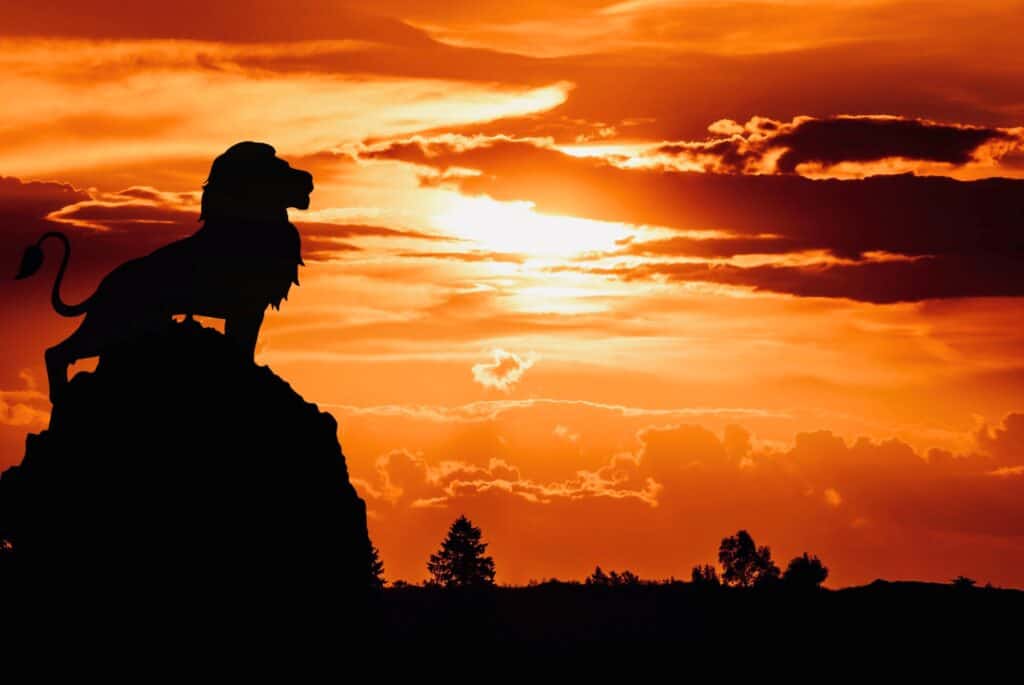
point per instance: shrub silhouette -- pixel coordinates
(805, 572)
(461, 561)
(744, 564)
(964, 582)
(705, 576)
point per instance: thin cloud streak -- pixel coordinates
(488, 410)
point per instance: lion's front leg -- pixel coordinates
(56, 372)
(244, 329)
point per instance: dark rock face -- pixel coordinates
(180, 477)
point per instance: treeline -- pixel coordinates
(744, 565)
(462, 562)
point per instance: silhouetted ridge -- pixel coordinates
(179, 474)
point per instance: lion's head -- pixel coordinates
(249, 181)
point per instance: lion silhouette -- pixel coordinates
(245, 257)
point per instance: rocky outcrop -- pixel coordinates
(181, 477)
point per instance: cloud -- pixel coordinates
(324, 241)
(491, 409)
(469, 482)
(184, 101)
(566, 433)
(404, 477)
(709, 248)
(156, 217)
(723, 27)
(33, 200)
(174, 214)
(25, 208)
(1007, 471)
(884, 281)
(1004, 442)
(104, 228)
(869, 506)
(25, 407)
(900, 214)
(887, 238)
(504, 372)
(470, 256)
(420, 148)
(714, 59)
(763, 145)
(864, 139)
(107, 228)
(832, 497)
(258, 20)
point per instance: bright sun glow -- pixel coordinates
(516, 227)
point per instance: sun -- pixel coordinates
(518, 227)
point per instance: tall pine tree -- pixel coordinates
(377, 580)
(461, 561)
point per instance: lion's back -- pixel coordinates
(142, 281)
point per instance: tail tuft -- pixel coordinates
(30, 262)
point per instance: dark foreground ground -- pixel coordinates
(577, 626)
(558, 614)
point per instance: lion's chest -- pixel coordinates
(246, 280)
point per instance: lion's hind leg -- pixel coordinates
(81, 344)
(57, 363)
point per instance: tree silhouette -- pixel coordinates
(705, 576)
(805, 572)
(613, 579)
(627, 577)
(744, 564)
(598, 577)
(964, 583)
(769, 573)
(461, 561)
(377, 580)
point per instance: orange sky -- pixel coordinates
(612, 279)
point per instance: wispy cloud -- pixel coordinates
(488, 410)
(503, 372)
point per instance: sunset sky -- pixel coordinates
(613, 279)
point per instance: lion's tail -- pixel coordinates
(33, 259)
